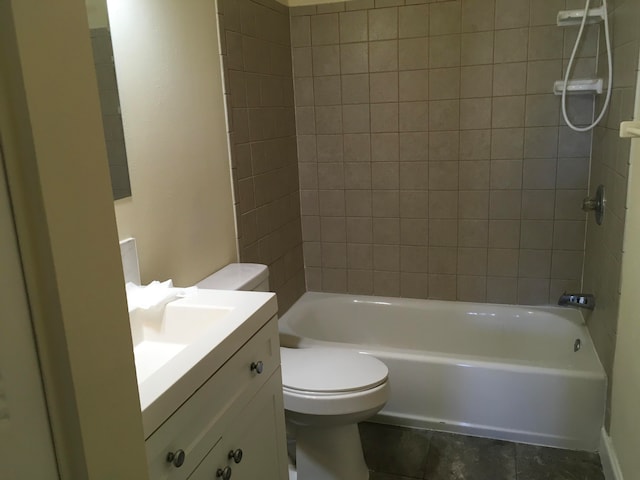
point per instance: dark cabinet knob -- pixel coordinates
(224, 473)
(176, 458)
(236, 455)
(257, 367)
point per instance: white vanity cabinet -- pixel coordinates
(233, 424)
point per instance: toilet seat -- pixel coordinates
(332, 382)
(330, 371)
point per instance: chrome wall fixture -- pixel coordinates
(596, 204)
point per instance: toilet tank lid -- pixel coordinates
(236, 276)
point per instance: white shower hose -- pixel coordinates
(570, 66)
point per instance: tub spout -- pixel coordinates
(582, 300)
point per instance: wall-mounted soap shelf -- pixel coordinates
(630, 129)
(586, 86)
(571, 18)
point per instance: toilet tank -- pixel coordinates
(238, 276)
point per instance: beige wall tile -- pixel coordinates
(472, 288)
(443, 232)
(444, 51)
(533, 291)
(502, 262)
(355, 88)
(505, 204)
(445, 18)
(414, 85)
(473, 204)
(414, 231)
(334, 255)
(359, 230)
(384, 117)
(443, 204)
(473, 233)
(386, 258)
(539, 173)
(472, 261)
(443, 260)
(383, 56)
(510, 79)
(386, 284)
(413, 53)
(428, 149)
(443, 176)
(414, 204)
(324, 29)
(386, 203)
(354, 58)
(414, 285)
(534, 263)
(413, 21)
(512, 13)
(414, 175)
(478, 15)
(383, 87)
(360, 282)
(358, 203)
(414, 147)
(444, 115)
(506, 174)
(475, 113)
(353, 26)
(385, 147)
(508, 112)
(511, 45)
(477, 48)
(474, 175)
(413, 116)
(444, 146)
(444, 83)
(502, 290)
(334, 280)
(383, 24)
(356, 118)
(476, 81)
(443, 287)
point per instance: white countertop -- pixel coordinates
(233, 318)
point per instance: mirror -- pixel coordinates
(109, 99)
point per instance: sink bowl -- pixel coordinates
(158, 335)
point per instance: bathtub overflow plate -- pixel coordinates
(576, 345)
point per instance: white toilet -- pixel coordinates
(326, 393)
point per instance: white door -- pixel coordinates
(26, 447)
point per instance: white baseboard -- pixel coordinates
(610, 465)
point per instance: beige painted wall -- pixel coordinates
(170, 82)
(56, 166)
(625, 416)
(97, 13)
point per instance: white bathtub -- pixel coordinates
(499, 371)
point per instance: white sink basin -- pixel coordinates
(177, 349)
(157, 338)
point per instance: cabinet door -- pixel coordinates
(258, 431)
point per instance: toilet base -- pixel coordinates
(330, 453)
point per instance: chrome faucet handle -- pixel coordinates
(596, 204)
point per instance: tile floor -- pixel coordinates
(397, 453)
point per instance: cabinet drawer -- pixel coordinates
(198, 424)
(257, 435)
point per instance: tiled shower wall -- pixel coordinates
(433, 159)
(610, 167)
(259, 97)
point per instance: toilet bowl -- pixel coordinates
(326, 393)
